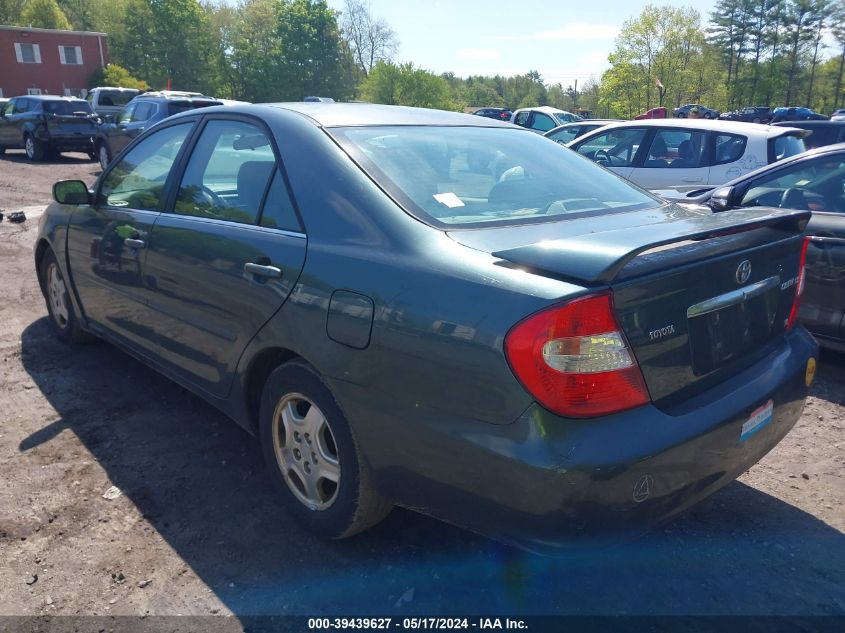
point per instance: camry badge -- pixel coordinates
(743, 271)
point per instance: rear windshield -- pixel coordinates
(473, 175)
(784, 147)
(67, 107)
(175, 107)
(117, 97)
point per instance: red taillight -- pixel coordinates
(574, 360)
(799, 286)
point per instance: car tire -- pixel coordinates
(2, 150)
(103, 156)
(93, 155)
(313, 457)
(34, 148)
(62, 316)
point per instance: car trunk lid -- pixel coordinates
(698, 295)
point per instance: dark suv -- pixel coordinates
(143, 112)
(46, 125)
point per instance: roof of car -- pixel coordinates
(355, 114)
(809, 123)
(547, 109)
(50, 97)
(750, 129)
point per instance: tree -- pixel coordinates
(10, 11)
(406, 85)
(311, 60)
(370, 39)
(44, 14)
(116, 76)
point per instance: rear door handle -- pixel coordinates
(134, 243)
(262, 271)
(691, 179)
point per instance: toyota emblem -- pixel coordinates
(743, 271)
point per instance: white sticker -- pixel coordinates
(449, 199)
(759, 418)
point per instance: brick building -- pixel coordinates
(47, 61)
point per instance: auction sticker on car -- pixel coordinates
(759, 418)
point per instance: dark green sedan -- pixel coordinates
(439, 311)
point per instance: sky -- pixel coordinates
(564, 41)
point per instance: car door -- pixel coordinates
(106, 240)
(675, 157)
(16, 121)
(730, 157)
(225, 256)
(817, 185)
(132, 122)
(8, 136)
(616, 149)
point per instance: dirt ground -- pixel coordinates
(195, 529)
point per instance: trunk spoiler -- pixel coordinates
(597, 258)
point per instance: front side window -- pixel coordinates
(475, 176)
(675, 149)
(126, 114)
(543, 122)
(814, 185)
(614, 148)
(9, 108)
(143, 111)
(138, 180)
(565, 135)
(67, 108)
(228, 174)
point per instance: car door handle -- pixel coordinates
(134, 243)
(262, 271)
(691, 179)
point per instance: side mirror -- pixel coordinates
(721, 199)
(108, 118)
(71, 192)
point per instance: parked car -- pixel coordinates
(821, 132)
(543, 118)
(703, 112)
(668, 153)
(43, 125)
(838, 115)
(653, 113)
(751, 114)
(796, 114)
(813, 181)
(500, 114)
(397, 329)
(109, 100)
(568, 132)
(143, 112)
(318, 100)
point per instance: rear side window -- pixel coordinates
(784, 147)
(116, 97)
(728, 148)
(522, 118)
(278, 210)
(565, 135)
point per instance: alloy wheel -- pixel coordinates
(306, 451)
(58, 296)
(29, 147)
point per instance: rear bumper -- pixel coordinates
(545, 482)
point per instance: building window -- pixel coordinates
(28, 53)
(70, 55)
(33, 91)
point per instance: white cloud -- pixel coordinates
(580, 31)
(483, 54)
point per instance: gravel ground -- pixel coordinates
(194, 527)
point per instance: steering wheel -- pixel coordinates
(602, 157)
(211, 199)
